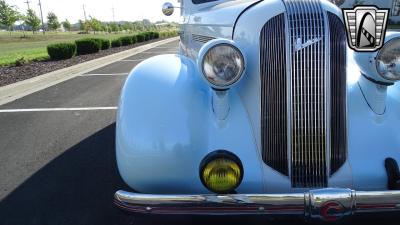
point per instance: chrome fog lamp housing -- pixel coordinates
(388, 60)
(221, 63)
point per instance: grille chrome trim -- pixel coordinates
(316, 95)
(308, 98)
(201, 38)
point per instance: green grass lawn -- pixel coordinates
(33, 46)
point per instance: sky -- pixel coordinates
(124, 10)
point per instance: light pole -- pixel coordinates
(84, 12)
(41, 15)
(113, 14)
(27, 2)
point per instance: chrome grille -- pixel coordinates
(201, 38)
(273, 94)
(338, 93)
(306, 21)
(303, 93)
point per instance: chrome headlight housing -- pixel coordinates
(221, 63)
(383, 66)
(388, 60)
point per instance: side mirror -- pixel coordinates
(168, 9)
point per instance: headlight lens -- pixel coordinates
(222, 172)
(388, 60)
(223, 65)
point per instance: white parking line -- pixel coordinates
(165, 47)
(104, 74)
(57, 109)
(131, 60)
(21, 89)
(167, 52)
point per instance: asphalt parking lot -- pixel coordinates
(57, 162)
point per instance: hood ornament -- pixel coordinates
(299, 45)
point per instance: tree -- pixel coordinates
(52, 21)
(95, 24)
(105, 27)
(84, 26)
(146, 22)
(67, 25)
(127, 26)
(114, 27)
(137, 26)
(32, 20)
(8, 15)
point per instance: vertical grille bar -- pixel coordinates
(308, 150)
(338, 93)
(273, 96)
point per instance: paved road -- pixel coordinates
(57, 163)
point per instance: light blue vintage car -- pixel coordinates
(266, 110)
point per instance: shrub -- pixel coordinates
(163, 34)
(150, 35)
(154, 35)
(61, 51)
(105, 44)
(116, 43)
(166, 34)
(134, 39)
(140, 37)
(21, 61)
(173, 33)
(87, 46)
(127, 40)
(147, 36)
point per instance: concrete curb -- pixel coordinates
(23, 88)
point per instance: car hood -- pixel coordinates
(219, 20)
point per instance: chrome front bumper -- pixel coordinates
(324, 204)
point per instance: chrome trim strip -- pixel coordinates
(289, 64)
(327, 94)
(327, 204)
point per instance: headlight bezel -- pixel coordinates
(379, 54)
(202, 57)
(367, 63)
(216, 155)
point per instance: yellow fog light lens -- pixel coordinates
(221, 172)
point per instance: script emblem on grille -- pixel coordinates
(299, 45)
(366, 27)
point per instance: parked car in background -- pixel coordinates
(265, 110)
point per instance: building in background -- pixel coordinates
(393, 5)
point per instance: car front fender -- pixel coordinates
(160, 115)
(166, 126)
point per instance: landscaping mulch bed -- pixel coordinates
(12, 74)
